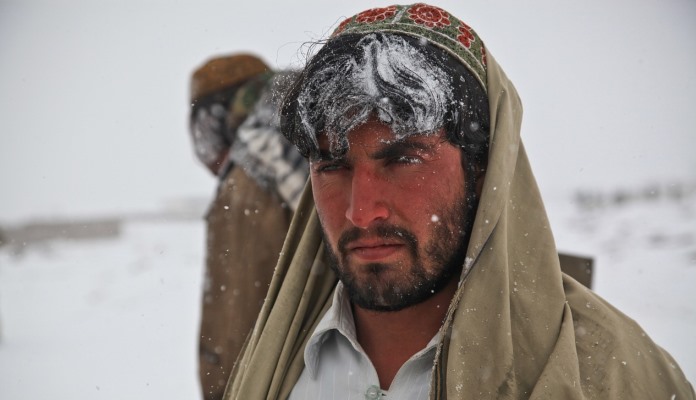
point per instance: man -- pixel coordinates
(235, 129)
(423, 205)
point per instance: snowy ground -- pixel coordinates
(117, 318)
(109, 319)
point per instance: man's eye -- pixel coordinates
(328, 167)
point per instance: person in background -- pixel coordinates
(234, 125)
(420, 263)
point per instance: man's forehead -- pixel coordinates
(383, 138)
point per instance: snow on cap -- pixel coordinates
(424, 21)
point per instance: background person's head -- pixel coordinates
(212, 122)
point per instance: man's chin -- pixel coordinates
(382, 295)
(373, 270)
(375, 302)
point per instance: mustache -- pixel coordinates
(383, 231)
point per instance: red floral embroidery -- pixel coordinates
(466, 36)
(484, 60)
(429, 16)
(342, 26)
(376, 14)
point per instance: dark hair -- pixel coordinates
(409, 83)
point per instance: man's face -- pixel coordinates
(393, 214)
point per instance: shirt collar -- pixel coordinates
(339, 317)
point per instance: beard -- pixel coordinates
(395, 286)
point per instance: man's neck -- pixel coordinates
(391, 338)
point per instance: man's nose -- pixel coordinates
(367, 199)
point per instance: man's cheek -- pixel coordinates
(329, 229)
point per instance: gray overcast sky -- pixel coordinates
(93, 94)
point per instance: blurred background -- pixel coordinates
(101, 197)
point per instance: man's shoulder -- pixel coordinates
(614, 351)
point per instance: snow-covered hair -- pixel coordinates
(408, 83)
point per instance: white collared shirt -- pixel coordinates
(337, 368)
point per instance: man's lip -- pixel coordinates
(373, 251)
(365, 244)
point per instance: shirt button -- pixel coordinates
(373, 393)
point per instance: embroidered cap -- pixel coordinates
(424, 21)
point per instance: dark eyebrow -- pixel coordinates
(325, 155)
(398, 148)
(392, 149)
